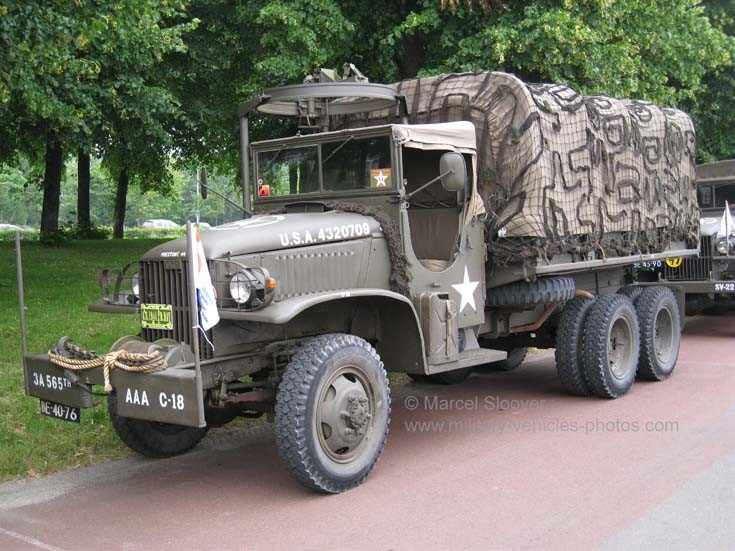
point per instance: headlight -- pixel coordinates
(725, 246)
(135, 285)
(242, 286)
(722, 246)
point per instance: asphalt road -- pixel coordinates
(503, 461)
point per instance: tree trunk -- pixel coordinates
(413, 56)
(121, 199)
(293, 178)
(83, 219)
(51, 186)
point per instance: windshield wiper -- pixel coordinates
(273, 160)
(336, 149)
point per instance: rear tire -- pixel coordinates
(568, 352)
(631, 291)
(611, 346)
(513, 361)
(453, 377)
(157, 440)
(660, 333)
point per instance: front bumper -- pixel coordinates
(167, 396)
(710, 287)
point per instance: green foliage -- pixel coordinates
(155, 233)
(92, 232)
(25, 235)
(300, 35)
(19, 194)
(658, 51)
(713, 110)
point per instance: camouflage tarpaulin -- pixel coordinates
(562, 172)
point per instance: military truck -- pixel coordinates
(425, 227)
(709, 279)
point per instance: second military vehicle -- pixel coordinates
(709, 279)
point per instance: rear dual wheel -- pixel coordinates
(611, 346)
(602, 345)
(660, 333)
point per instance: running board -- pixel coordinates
(468, 358)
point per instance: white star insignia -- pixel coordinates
(380, 179)
(466, 290)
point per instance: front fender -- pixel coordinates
(396, 329)
(284, 311)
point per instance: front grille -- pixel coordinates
(695, 268)
(165, 282)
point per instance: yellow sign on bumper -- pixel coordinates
(156, 316)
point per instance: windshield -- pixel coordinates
(347, 164)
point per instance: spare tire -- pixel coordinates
(551, 289)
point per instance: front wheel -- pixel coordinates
(332, 412)
(150, 438)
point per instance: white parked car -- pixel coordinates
(159, 223)
(10, 227)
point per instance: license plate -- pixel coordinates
(156, 316)
(60, 411)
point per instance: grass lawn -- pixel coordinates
(59, 284)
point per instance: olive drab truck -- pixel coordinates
(707, 280)
(426, 227)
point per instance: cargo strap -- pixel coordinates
(71, 356)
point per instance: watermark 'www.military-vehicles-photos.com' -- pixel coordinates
(426, 227)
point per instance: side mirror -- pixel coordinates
(453, 170)
(203, 189)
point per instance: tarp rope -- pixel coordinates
(75, 358)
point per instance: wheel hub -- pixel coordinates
(663, 336)
(344, 414)
(619, 349)
(358, 414)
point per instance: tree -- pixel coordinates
(68, 65)
(713, 110)
(660, 51)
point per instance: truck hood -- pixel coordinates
(709, 225)
(270, 232)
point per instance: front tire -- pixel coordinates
(332, 412)
(611, 346)
(157, 440)
(660, 327)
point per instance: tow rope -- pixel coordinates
(75, 358)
